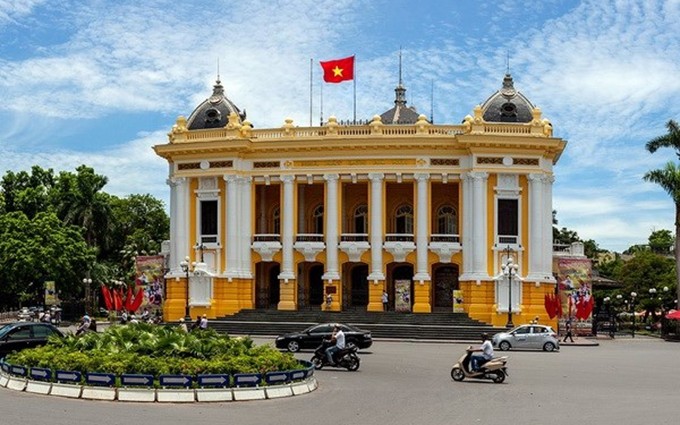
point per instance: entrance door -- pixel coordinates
(274, 286)
(316, 296)
(445, 281)
(360, 286)
(267, 278)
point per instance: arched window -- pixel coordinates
(360, 219)
(317, 220)
(276, 220)
(447, 220)
(403, 219)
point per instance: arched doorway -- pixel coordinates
(316, 295)
(359, 294)
(267, 287)
(400, 286)
(444, 282)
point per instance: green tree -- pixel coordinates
(39, 249)
(29, 193)
(661, 241)
(669, 179)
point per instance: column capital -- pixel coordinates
(331, 177)
(421, 176)
(376, 176)
(536, 177)
(245, 179)
(476, 175)
(175, 181)
(230, 178)
(288, 178)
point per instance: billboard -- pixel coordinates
(402, 295)
(574, 285)
(149, 276)
(51, 293)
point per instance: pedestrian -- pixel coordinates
(196, 324)
(385, 300)
(329, 300)
(84, 325)
(183, 325)
(567, 329)
(204, 322)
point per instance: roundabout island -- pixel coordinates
(149, 363)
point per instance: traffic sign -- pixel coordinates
(297, 375)
(69, 376)
(18, 370)
(247, 379)
(41, 374)
(213, 380)
(103, 379)
(133, 380)
(277, 377)
(175, 380)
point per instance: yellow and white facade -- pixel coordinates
(281, 217)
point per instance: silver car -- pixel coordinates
(524, 337)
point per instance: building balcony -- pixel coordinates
(399, 245)
(354, 245)
(266, 245)
(309, 245)
(445, 246)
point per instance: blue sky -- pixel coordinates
(100, 82)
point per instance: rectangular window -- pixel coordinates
(508, 217)
(209, 221)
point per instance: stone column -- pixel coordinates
(232, 238)
(479, 219)
(179, 224)
(377, 214)
(536, 228)
(246, 227)
(287, 272)
(331, 213)
(547, 245)
(422, 235)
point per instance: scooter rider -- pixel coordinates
(478, 360)
(339, 338)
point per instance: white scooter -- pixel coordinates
(495, 369)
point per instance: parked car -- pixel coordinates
(312, 337)
(21, 335)
(522, 337)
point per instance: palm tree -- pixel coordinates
(669, 179)
(670, 140)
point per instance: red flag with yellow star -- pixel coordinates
(338, 70)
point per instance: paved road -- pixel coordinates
(619, 382)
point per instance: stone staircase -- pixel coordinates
(436, 325)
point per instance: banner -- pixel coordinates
(51, 293)
(574, 280)
(458, 301)
(150, 277)
(402, 295)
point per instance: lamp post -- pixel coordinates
(184, 264)
(88, 304)
(632, 309)
(509, 269)
(200, 247)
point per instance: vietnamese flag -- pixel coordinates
(338, 70)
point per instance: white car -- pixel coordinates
(523, 337)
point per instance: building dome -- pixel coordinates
(507, 105)
(214, 112)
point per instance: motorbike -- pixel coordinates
(347, 357)
(494, 370)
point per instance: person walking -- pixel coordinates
(567, 329)
(385, 300)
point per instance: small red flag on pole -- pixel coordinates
(338, 70)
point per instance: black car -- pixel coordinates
(312, 337)
(20, 335)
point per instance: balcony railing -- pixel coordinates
(399, 237)
(309, 237)
(267, 237)
(507, 240)
(445, 238)
(354, 237)
(209, 238)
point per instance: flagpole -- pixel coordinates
(311, 64)
(354, 74)
(321, 106)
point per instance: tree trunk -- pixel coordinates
(677, 255)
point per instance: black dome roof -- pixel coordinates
(507, 105)
(214, 112)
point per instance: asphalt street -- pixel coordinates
(624, 381)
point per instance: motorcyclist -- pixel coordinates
(338, 337)
(478, 360)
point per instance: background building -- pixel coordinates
(279, 218)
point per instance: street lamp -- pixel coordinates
(509, 269)
(88, 304)
(184, 264)
(632, 309)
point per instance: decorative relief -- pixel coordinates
(221, 164)
(207, 183)
(189, 166)
(490, 160)
(267, 164)
(447, 162)
(527, 161)
(353, 162)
